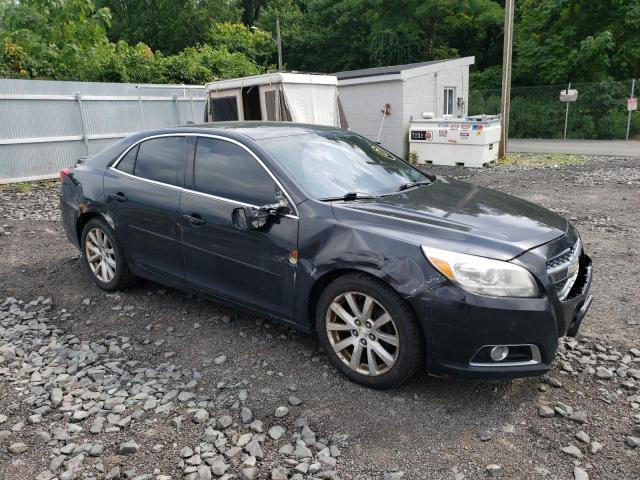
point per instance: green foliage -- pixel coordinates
(558, 42)
(167, 25)
(259, 45)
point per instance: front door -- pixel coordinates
(252, 267)
(143, 196)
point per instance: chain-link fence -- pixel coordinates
(600, 111)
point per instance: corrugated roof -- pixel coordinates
(390, 70)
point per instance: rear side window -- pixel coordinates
(128, 162)
(226, 170)
(161, 159)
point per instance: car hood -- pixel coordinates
(459, 216)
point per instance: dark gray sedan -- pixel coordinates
(319, 228)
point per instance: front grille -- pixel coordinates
(563, 269)
(563, 258)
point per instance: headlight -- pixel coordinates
(483, 275)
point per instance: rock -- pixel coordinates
(596, 447)
(200, 416)
(573, 451)
(301, 450)
(114, 474)
(546, 412)
(494, 470)
(583, 437)
(218, 466)
(220, 360)
(327, 462)
(225, 420)
(279, 473)
(276, 432)
(633, 442)
(56, 396)
(254, 449)
(246, 415)
(18, 448)
(578, 416)
(604, 373)
(96, 450)
(127, 448)
(186, 452)
(295, 401)
(281, 412)
(553, 382)
(580, 474)
(393, 476)
(248, 473)
(204, 473)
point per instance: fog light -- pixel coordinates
(499, 353)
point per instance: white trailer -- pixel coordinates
(280, 96)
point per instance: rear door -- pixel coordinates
(252, 267)
(143, 196)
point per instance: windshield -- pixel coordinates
(330, 164)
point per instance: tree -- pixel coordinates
(558, 42)
(258, 45)
(167, 25)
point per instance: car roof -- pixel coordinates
(257, 130)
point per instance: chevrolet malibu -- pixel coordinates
(394, 269)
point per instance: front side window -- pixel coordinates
(332, 163)
(161, 160)
(449, 97)
(226, 170)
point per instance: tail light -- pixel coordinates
(64, 173)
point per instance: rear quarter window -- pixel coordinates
(128, 162)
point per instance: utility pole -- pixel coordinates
(505, 103)
(279, 41)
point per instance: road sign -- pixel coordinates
(632, 104)
(569, 95)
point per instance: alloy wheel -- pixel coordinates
(362, 333)
(100, 255)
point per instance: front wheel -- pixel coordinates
(370, 332)
(103, 256)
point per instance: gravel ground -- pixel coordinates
(154, 383)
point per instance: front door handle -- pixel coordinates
(119, 197)
(195, 219)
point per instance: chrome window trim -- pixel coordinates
(114, 167)
(536, 358)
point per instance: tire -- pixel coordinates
(95, 232)
(389, 365)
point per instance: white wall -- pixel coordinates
(425, 93)
(362, 104)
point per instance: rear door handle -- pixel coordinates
(195, 219)
(119, 197)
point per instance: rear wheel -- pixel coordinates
(369, 331)
(103, 256)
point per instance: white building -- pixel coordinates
(440, 87)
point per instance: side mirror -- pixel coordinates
(250, 218)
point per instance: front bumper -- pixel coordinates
(458, 325)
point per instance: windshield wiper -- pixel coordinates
(408, 185)
(348, 197)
